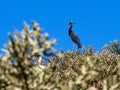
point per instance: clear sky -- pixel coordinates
(97, 21)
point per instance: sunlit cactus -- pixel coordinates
(65, 70)
(17, 67)
(113, 47)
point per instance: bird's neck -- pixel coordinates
(70, 29)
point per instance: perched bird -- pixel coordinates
(74, 36)
(39, 60)
(39, 57)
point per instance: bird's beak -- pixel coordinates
(73, 22)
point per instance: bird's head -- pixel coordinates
(71, 22)
(38, 55)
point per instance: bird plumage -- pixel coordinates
(74, 36)
(39, 60)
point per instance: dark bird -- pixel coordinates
(74, 36)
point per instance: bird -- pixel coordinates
(39, 57)
(74, 37)
(39, 60)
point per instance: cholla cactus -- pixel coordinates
(113, 47)
(65, 71)
(17, 70)
(87, 71)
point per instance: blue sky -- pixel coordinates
(97, 21)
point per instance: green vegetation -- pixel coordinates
(71, 70)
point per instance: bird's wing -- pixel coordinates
(75, 39)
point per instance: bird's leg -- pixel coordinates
(73, 46)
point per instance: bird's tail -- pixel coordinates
(79, 45)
